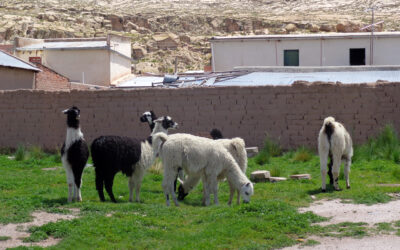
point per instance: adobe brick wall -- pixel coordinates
(291, 115)
(48, 79)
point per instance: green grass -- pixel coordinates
(271, 220)
(4, 238)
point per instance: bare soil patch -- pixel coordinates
(17, 232)
(348, 212)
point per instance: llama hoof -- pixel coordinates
(348, 187)
(338, 189)
(323, 190)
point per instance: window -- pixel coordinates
(291, 57)
(357, 56)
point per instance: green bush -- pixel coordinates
(385, 146)
(20, 153)
(270, 149)
(302, 155)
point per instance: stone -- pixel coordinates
(290, 27)
(184, 38)
(138, 52)
(260, 176)
(251, 151)
(300, 177)
(313, 28)
(327, 28)
(277, 179)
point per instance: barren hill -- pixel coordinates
(188, 23)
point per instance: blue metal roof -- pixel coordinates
(7, 60)
(287, 78)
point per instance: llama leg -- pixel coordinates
(214, 189)
(168, 182)
(100, 185)
(238, 198)
(347, 165)
(336, 171)
(323, 158)
(330, 169)
(138, 175)
(231, 193)
(206, 190)
(70, 181)
(109, 183)
(131, 185)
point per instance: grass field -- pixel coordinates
(270, 220)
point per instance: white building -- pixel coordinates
(97, 61)
(334, 49)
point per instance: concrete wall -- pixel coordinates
(71, 63)
(12, 78)
(24, 55)
(119, 66)
(291, 115)
(120, 44)
(228, 54)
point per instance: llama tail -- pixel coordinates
(158, 141)
(329, 127)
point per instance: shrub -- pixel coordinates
(20, 153)
(384, 146)
(302, 155)
(270, 149)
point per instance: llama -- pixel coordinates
(334, 142)
(216, 134)
(74, 154)
(236, 147)
(199, 156)
(149, 117)
(132, 157)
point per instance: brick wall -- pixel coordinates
(291, 115)
(48, 79)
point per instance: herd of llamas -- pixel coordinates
(185, 158)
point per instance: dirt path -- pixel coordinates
(17, 232)
(348, 212)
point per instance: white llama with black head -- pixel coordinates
(74, 154)
(149, 117)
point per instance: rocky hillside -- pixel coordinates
(186, 24)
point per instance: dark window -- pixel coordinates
(357, 56)
(291, 57)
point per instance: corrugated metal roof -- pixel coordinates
(7, 60)
(66, 45)
(308, 36)
(288, 78)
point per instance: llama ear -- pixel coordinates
(248, 184)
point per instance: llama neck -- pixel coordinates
(236, 177)
(159, 128)
(147, 157)
(73, 134)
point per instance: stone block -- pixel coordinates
(252, 151)
(277, 179)
(260, 176)
(300, 177)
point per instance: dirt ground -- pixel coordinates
(17, 232)
(348, 212)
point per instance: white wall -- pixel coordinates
(228, 54)
(249, 53)
(71, 63)
(336, 52)
(120, 44)
(119, 66)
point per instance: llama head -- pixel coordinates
(246, 191)
(148, 116)
(181, 193)
(216, 134)
(166, 123)
(73, 116)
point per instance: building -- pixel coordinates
(95, 61)
(48, 79)
(331, 49)
(15, 73)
